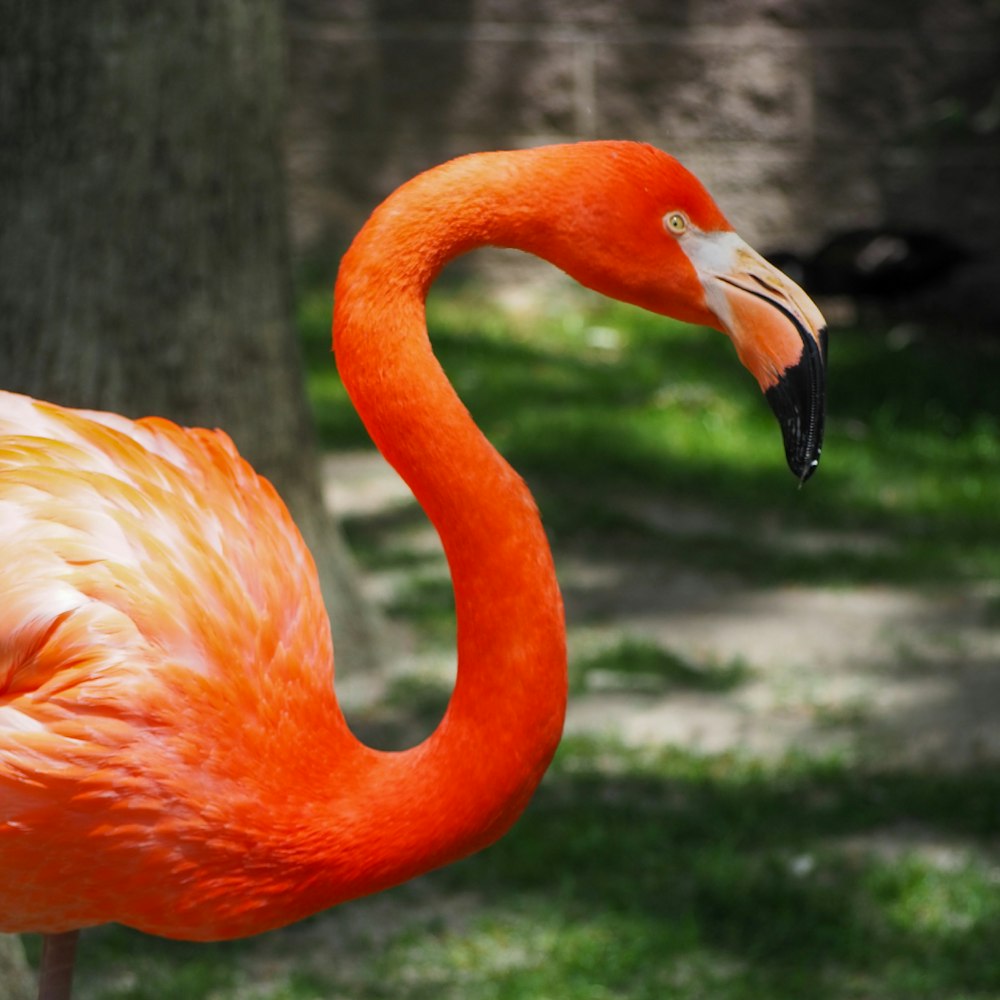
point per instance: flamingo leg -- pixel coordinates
(55, 979)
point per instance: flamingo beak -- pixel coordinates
(779, 335)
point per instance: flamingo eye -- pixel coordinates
(675, 222)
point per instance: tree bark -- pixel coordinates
(144, 262)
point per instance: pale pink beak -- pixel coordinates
(779, 335)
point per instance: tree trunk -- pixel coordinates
(144, 264)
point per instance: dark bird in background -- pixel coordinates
(880, 264)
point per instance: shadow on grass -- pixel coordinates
(785, 543)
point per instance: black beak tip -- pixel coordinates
(802, 469)
(798, 400)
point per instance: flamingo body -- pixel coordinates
(150, 652)
(172, 756)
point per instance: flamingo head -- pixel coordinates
(644, 230)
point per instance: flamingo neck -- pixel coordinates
(465, 785)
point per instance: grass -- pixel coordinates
(645, 874)
(638, 875)
(638, 664)
(596, 404)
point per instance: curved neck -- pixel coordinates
(468, 782)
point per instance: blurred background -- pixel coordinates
(779, 777)
(805, 118)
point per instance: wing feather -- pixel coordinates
(159, 613)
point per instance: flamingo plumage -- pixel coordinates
(172, 754)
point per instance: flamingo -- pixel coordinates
(172, 754)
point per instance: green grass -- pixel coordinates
(593, 405)
(640, 665)
(639, 875)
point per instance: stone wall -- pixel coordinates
(802, 116)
